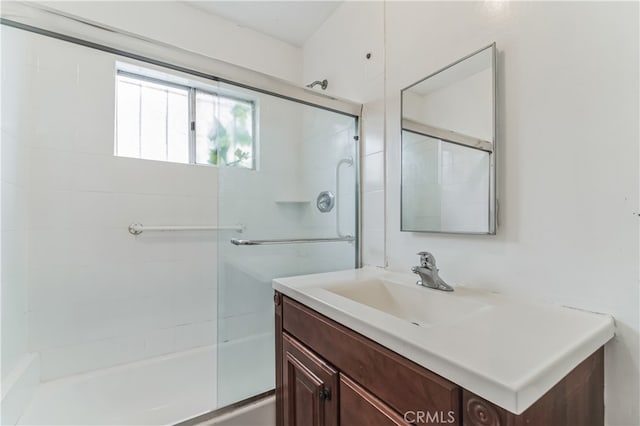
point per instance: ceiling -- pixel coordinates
(290, 21)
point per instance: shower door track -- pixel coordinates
(226, 409)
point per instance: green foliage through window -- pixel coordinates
(238, 138)
(225, 130)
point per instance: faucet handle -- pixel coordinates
(427, 260)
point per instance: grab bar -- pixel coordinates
(138, 228)
(349, 162)
(238, 242)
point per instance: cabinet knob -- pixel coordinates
(325, 394)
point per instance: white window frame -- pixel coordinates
(192, 90)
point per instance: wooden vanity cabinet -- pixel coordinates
(327, 374)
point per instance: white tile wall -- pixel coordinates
(373, 172)
(373, 188)
(373, 125)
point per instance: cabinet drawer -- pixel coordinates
(359, 407)
(402, 384)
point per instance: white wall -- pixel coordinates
(193, 30)
(568, 167)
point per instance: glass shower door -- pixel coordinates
(298, 152)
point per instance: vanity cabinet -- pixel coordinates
(327, 374)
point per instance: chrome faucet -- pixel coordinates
(428, 273)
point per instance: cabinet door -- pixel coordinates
(310, 387)
(359, 407)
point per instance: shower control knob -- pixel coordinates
(325, 201)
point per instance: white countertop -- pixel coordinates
(509, 352)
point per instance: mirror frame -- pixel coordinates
(493, 203)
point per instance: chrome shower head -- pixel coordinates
(323, 84)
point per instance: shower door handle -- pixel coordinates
(237, 242)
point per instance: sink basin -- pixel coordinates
(418, 305)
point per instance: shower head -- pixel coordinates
(323, 84)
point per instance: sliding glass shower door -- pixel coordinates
(291, 174)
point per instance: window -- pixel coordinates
(161, 120)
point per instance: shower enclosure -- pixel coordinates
(147, 203)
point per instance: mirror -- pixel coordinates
(448, 148)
